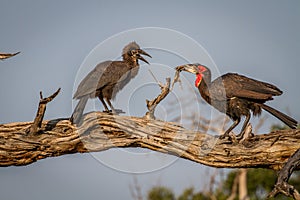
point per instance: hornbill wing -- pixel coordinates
(122, 74)
(91, 83)
(235, 85)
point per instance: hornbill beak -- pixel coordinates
(140, 51)
(192, 68)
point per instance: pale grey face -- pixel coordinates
(136, 54)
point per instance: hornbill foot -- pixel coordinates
(118, 111)
(228, 138)
(222, 137)
(246, 133)
(225, 139)
(115, 111)
(240, 135)
(225, 136)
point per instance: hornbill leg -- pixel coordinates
(241, 135)
(113, 110)
(104, 104)
(235, 123)
(110, 105)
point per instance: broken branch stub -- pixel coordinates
(151, 105)
(165, 90)
(37, 123)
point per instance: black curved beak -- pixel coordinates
(192, 68)
(140, 51)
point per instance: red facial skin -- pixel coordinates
(198, 79)
(199, 76)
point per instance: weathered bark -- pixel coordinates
(37, 123)
(151, 105)
(101, 131)
(282, 185)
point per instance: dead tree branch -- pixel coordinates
(4, 56)
(102, 131)
(136, 190)
(151, 105)
(234, 189)
(34, 128)
(282, 185)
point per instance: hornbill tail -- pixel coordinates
(292, 123)
(78, 111)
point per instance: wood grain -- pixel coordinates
(102, 131)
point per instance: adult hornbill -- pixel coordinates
(107, 78)
(236, 95)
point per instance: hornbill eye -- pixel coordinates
(133, 52)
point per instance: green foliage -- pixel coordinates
(276, 127)
(228, 183)
(190, 194)
(259, 182)
(295, 180)
(161, 193)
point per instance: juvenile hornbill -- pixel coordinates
(236, 95)
(107, 78)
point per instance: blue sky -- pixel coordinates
(259, 39)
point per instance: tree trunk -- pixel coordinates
(243, 190)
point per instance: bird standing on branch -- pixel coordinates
(236, 95)
(107, 78)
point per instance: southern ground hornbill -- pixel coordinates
(236, 95)
(107, 78)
